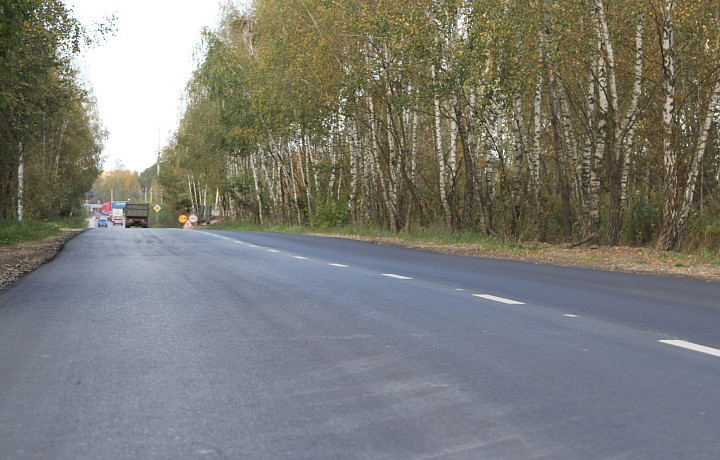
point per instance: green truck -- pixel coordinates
(136, 214)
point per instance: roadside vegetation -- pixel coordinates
(13, 232)
(510, 125)
(470, 121)
(51, 139)
(466, 243)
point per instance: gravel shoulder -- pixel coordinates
(18, 260)
(625, 259)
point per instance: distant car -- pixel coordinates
(117, 220)
(102, 222)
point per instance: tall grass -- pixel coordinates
(13, 232)
(436, 235)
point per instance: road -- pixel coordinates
(166, 343)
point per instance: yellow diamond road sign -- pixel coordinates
(157, 208)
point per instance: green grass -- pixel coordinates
(440, 235)
(14, 232)
(436, 235)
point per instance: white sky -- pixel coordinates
(138, 76)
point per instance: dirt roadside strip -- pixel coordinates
(18, 260)
(21, 259)
(644, 261)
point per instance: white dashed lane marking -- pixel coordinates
(693, 346)
(677, 343)
(400, 277)
(499, 299)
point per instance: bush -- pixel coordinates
(332, 213)
(14, 232)
(643, 222)
(702, 233)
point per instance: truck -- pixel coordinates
(117, 216)
(136, 214)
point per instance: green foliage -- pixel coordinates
(331, 213)
(348, 114)
(643, 222)
(703, 233)
(118, 185)
(13, 232)
(46, 118)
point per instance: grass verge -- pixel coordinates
(441, 236)
(14, 232)
(421, 235)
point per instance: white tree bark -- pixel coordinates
(354, 169)
(21, 185)
(442, 170)
(668, 239)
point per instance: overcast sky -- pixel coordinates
(139, 75)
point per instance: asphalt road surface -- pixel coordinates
(174, 344)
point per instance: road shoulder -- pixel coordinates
(21, 259)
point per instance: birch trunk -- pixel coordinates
(668, 235)
(442, 172)
(21, 185)
(598, 152)
(587, 154)
(379, 168)
(622, 146)
(672, 231)
(560, 157)
(294, 186)
(354, 170)
(413, 179)
(469, 193)
(307, 178)
(368, 179)
(394, 163)
(190, 191)
(517, 166)
(258, 196)
(534, 162)
(560, 160)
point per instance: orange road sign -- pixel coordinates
(183, 218)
